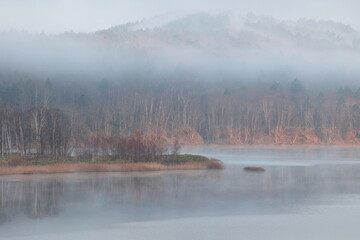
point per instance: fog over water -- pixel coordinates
(87, 73)
(315, 199)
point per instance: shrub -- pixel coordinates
(214, 164)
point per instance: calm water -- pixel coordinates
(305, 193)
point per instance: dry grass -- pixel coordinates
(214, 164)
(114, 167)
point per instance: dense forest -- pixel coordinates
(59, 118)
(198, 79)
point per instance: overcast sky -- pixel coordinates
(54, 16)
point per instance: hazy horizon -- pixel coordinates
(57, 16)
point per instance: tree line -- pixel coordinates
(116, 117)
(38, 130)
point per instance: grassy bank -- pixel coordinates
(17, 164)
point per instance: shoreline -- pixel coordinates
(263, 145)
(109, 167)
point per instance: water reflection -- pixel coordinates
(47, 195)
(161, 195)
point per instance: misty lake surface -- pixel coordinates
(304, 193)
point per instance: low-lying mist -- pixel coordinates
(195, 47)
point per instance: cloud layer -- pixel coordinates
(197, 46)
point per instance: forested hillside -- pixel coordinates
(194, 80)
(56, 117)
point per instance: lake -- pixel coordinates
(304, 193)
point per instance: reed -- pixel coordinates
(109, 167)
